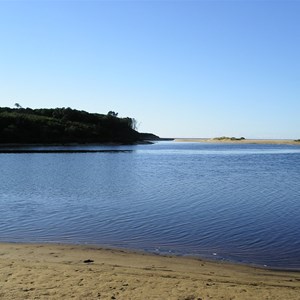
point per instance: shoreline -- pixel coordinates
(245, 141)
(56, 271)
(20, 145)
(207, 258)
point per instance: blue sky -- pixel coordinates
(181, 68)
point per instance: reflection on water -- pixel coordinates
(233, 202)
(17, 151)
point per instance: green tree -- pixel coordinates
(112, 114)
(17, 105)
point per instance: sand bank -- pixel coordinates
(48, 271)
(246, 141)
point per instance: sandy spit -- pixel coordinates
(246, 141)
(50, 271)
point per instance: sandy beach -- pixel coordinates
(245, 141)
(49, 271)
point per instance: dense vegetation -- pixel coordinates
(222, 138)
(64, 125)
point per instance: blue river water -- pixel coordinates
(232, 202)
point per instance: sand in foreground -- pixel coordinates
(30, 271)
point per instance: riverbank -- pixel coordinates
(243, 141)
(49, 271)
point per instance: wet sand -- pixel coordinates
(49, 271)
(246, 141)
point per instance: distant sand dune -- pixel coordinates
(59, 272)
(245, 141)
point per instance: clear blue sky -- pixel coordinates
(181, 68)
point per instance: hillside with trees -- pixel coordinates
(64, 125)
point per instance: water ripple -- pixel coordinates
(229, 202)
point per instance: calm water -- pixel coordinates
(233, 202)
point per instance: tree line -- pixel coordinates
(64, 125)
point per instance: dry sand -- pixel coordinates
(49, 271)
(246, 141)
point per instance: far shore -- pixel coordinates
(56, 271)
(245, 141)
(106, 144)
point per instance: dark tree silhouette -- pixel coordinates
(64, 125)
(112, 114)
(17, 105)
